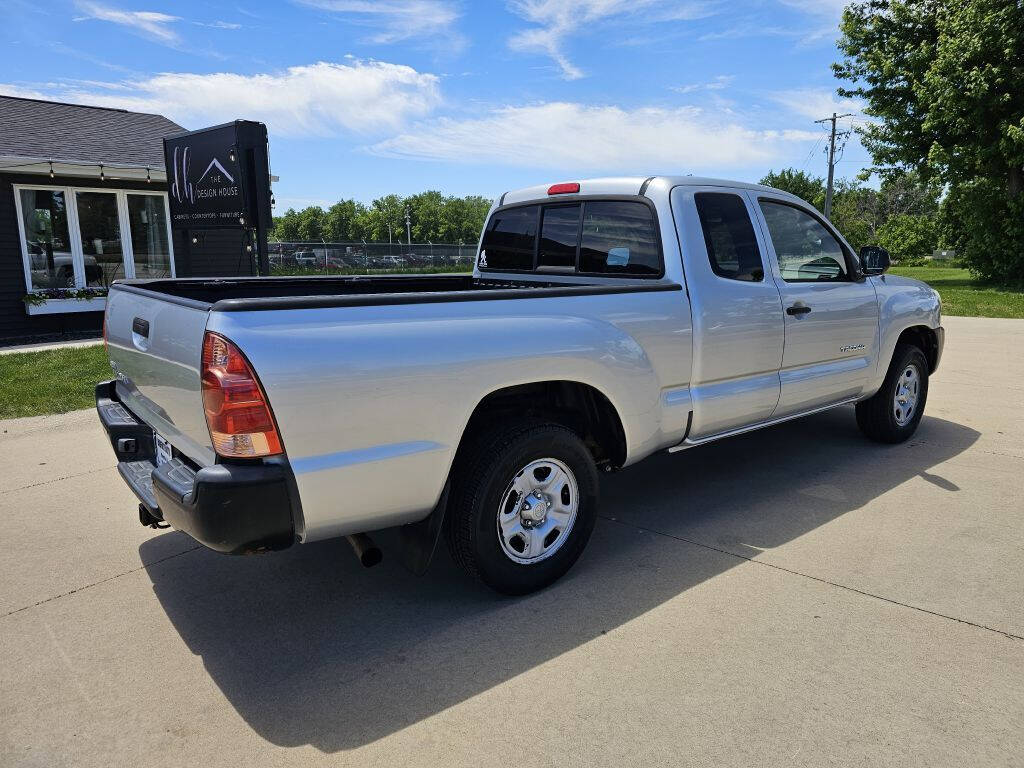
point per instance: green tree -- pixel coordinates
(425, 211)
(311, 222)
(343, 222)
(943, 78)
(803, 185)
(286, 227)
(909, 237)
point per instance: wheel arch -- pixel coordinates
(925, 339)
(581, 407)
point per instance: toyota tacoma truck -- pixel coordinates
(604, 320)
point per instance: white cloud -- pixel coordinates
(396, 20)
(319, 99)
(814, 103)
(582, 137)
(718, 83)
(218, 24)
(152, 24)
(556, 20)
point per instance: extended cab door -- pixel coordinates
(736, 308)
(831, 316)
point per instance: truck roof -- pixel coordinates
(627, 185)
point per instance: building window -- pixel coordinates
(105, 235)
(147, 222)
(47, 246)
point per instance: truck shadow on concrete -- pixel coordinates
(311, 649)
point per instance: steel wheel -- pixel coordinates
(904, 402)
(537, 511)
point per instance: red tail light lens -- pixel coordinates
(569, 188)
(237, 413)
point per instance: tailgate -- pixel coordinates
(155, 345)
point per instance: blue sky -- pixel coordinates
(367, 97)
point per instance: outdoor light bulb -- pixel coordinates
(148, 179)
(231, 155)
(51, 169)
(195, 240)
(241, 221)
(102, 176)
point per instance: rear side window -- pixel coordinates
(729, 236)
(559, 234)
(510, 239)
(619, 239)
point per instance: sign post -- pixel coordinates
(219, 178)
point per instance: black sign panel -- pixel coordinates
(219, 177)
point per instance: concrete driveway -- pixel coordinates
(797, 596)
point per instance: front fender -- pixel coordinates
(902, 303)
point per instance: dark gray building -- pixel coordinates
(83, 202)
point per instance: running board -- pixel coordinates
(688, 443)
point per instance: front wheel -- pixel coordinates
(892, 414)
(523, 505)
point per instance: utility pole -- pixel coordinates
(831, 160)
(408, 229)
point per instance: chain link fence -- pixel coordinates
(367, 258)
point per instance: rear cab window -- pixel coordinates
(584, 237)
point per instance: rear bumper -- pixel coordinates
(233, 508)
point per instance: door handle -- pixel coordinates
(798, 309)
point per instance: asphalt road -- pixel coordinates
(797, 596)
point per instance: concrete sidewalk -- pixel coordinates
(41, 346)
(795, 596)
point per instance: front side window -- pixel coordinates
(559, 233)
(729, 236)
(510, 239)
(45, 219)
(807, 252)
(619, 239)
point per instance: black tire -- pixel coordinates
(876, 416)
(483, 472)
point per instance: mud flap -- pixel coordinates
(418, 541)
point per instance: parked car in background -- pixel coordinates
(604, 321)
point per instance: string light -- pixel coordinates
(148, 179)
(102, 176)
(51, 169)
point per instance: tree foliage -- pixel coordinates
(943, 78)
(432, 218)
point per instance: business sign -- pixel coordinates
(219, 177)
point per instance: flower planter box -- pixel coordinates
(61, 306)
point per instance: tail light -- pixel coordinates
(237, 413)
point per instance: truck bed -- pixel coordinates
(260, 293)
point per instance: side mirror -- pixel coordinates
(874, 260)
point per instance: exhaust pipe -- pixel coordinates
(367, 552)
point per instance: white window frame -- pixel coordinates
(75, 234)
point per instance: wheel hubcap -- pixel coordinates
(908, 387)
(537, 511)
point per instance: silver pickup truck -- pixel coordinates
(604, 320)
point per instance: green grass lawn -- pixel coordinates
(962, 295)
(51, 381)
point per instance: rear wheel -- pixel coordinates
(523, 505)
(893, 413)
